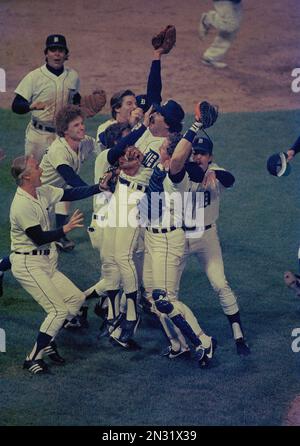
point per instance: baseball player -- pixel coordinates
(202, 240)
(165, 120)
(43, 92)
(112, 135)
(32, 265)
(226, 19)
(62, 161)
(293, 280)
(128, 108)
(164, 247)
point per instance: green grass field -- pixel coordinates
(105, 386)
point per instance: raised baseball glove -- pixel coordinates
(93, 103)
(206, 113)
(165, 39)
(131, 161)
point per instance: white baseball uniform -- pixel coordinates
(37, 274)
(59, 153)
(127, 235)
(164, 248)
(57, 91)
(226, 18)
(204, 241)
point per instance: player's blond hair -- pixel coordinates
(19, 168)
(66, 115)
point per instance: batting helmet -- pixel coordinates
(277, 165)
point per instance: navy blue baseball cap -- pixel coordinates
(142, 102)
(203, 145)
(173, 114)
(277, 165)
(56, 41)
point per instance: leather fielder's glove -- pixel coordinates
(93, 103)
(131, 161)
(206, 113)
(165, 39)
(109, 180)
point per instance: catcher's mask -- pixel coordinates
(56, 41)
(173, 114)
(202, 145)
(277, 165)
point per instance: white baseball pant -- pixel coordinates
(51, 289)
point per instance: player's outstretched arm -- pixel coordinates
(183, 149)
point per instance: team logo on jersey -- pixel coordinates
(150, 159)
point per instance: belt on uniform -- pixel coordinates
(98, 217)
(161, 230)
(192, 228)
(35, 252)
(44, 128)
(132, 185)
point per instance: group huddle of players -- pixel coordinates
(144, 235)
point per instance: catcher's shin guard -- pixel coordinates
(164, 306)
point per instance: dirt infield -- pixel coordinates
(110, 47)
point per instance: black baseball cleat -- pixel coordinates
(72, 324)
(242, 347)
(100, 311)
(82, 317)
(129, 345)
(172, 354)
(129, 328)
(1, 282)
(208, 354)
(35, 366)
(65, 245)
(52, 353)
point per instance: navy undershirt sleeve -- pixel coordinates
(40, 237)
(154, 85)
(225, 178)
(70, 177)
(78, 193)
(20, 105)
(116, 152)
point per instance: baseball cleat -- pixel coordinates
(1, 282)
(109, 325)
(213, 63)
(208, 354)
(203, 28)
(52, 353)
(129, 345)
(73, 323)
(292, 281)
(82, 317)
(65, 244)
(129, 328)
(36, 366)
(172, 354)
(100, 311)
(242, 347)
